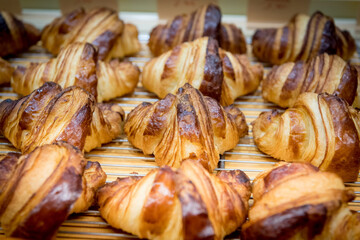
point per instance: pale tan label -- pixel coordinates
(67, 6)
(274, 11)
(12, 6)
(168, 9)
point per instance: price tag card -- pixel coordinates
(268, 12)
(167, 9)
(12, 6)
(67, 6)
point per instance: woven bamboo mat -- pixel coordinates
(120, 159)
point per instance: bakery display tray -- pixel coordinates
(120, 159)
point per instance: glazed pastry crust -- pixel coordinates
(42, 187)
(217, 73)
(186, 125)
(16, 36)
(297, 201)
(324, 73)
(77, 65)
(101, 27)
(303, 38)
(204, 22)
(188, 203)
(51, 114)
(320, 129)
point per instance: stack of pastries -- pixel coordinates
(198, 71)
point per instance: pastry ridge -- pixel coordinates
(297, 201)
(304, 37)
(216, 73)
(186, 125)
(320, 129)
(43, 187)
(187, 203)
(51, 114)
(77, 65)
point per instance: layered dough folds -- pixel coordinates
(77, 65)
(303, 38)
(204, 22)
(320, 129)
(215, 72)
(188, 203)
(39, 190)
(185, 125)
(323, 73)
(297, 201)
(101, 27)
(51, 114)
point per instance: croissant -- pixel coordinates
(215, 72)
(324, 73)
(185, 125)
(15, 36)
(6, 71)
(320, 129)
(188, 203)
(101, 27)
(50, 114)
(297, 201)
(302, 38)
(204, 22)
(77, 65)
(128, 44)
(44, 188)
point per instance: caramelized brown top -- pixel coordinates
(15, 36)
(77, 65)
(204, 22)
(302, 38)
(323, 73)
(320, 129)
(100, 27)
(187, 125)
(296, 200)
(216, 73)
(51, 114)
(170, 203)
(39, 194)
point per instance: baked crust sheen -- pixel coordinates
(185, 125)
(320, 129)
(187, 203)
(215, 72)
(297, 201)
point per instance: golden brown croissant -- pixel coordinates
(44, 188)
(320, 129)
(297, 201)
(50, 114)
(215, 72)
(6, 71)
(188, 203)
(302, 38)
(324, 73)
(15, 36)
(188, 125)
(204, 22)
(128, 44)
(101, 27)
(77, 65)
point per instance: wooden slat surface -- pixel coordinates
(120, 159)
